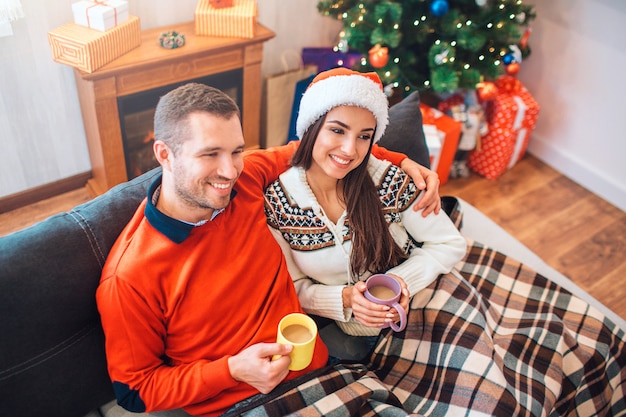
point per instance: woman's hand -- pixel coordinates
(404, 300)
(369, 313)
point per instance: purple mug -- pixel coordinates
(385, 289)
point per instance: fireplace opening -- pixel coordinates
(136, 114)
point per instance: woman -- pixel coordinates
(341, 215)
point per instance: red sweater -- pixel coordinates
(173, 313)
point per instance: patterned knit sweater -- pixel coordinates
(318, 250)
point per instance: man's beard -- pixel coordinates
(197, 200)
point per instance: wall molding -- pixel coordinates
(579, 171)
(42, 192)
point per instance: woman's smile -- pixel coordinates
(339, 160)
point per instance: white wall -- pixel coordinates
(574, 72)
(297, 23)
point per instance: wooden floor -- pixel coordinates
(570, 228)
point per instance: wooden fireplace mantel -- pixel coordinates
(150, 66)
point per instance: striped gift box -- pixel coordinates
(89, 49)
(237, 21)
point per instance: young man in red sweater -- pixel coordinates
(194, 287)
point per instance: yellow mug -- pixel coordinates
(300, 331)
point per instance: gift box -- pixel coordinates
(466, 109)
(442, 135)
(511, 118)
(221, 3)
(434, 143)
(101, 15)
(88, 49)
(237, 21)
(326, 58)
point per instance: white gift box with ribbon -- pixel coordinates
(434, 142)
(101, 15)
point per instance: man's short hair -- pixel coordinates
(170, 117)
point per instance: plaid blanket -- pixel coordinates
(492, 338)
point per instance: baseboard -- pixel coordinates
(579, 171)
(42, 192)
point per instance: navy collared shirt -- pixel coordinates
(175, 230)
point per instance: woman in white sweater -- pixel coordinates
(341, 215)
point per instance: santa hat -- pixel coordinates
(342, 86)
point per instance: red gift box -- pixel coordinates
(511, 118)
(448, 129)
(452, 101)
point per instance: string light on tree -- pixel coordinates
(475, 39)
(342, 45)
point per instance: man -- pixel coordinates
(194, 287)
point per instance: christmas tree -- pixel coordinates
(436, 45)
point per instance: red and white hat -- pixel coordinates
(343, 87)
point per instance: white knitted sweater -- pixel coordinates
(318, 250)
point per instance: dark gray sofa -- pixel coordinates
(52, 360)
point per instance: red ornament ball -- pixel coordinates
(378, 56)
(487, 91)
(512, 68)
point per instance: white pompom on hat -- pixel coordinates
(343, 87)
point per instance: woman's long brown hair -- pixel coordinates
(373, 248)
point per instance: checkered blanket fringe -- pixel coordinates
(492, 338)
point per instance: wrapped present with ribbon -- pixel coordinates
(511, 118)
(442, 135)
(88, 49)
(236, 21)
(465, 108)
(101, 15)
